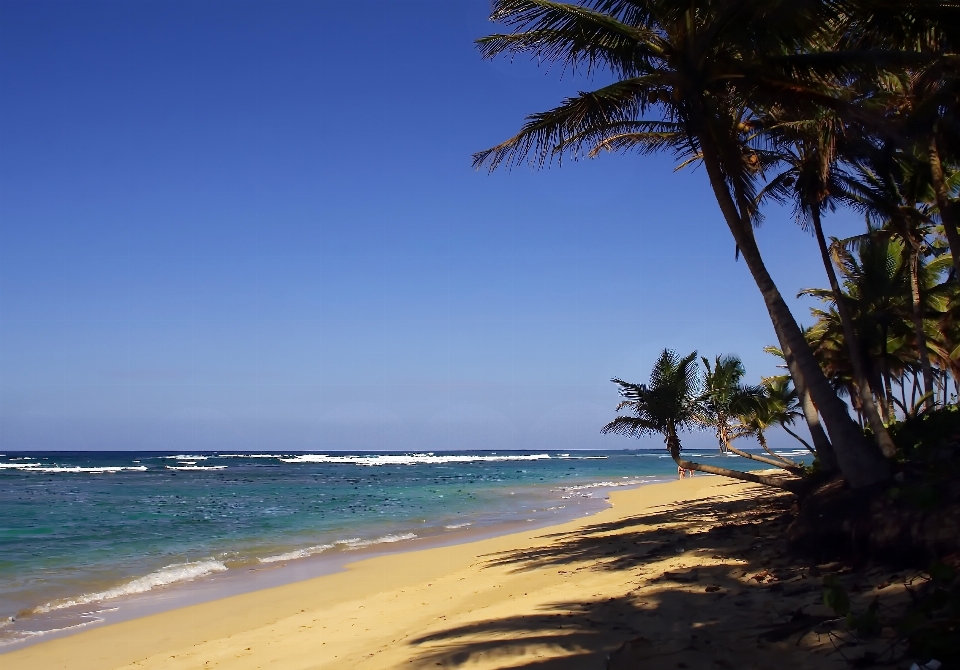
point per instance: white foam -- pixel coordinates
(597, 485)
(249, 455)
(408, 459)
(352, 543)
(196, 467)
(172, 574)
(454, 526)
(21, 635)
(299, 553)
(356, 544)
(187, 457)
(39, 467)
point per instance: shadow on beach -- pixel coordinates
(708, 585)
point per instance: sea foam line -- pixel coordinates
(352, 543)
(171, 574)
(195, 467)
(299, 553)
(408, 459)
(597, 485)
(39, 467)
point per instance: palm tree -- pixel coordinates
(772, 407)
(786, 405)
(809, 149)
(668, 404)
(877, 290)
(708, 67)
(724, 398)
(889, 189)
(875, 295)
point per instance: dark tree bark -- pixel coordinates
(916, 299)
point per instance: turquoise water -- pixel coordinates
(85, 530)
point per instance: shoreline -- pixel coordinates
(363, 614)
(258, 577)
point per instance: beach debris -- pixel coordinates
(765, 577)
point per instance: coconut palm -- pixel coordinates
(690, 78)
(787, 405)
(771, 407)
(724, 398)
(809, 151)
(890, 189)
(667, 404)
(875, 295)
(877, 291)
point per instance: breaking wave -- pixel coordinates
(353, 543)
(172, 574)
(40, 467)
(408, 459)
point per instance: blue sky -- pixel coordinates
(231, 225)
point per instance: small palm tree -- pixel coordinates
(668, 404)
(724, 398)
(781, 391)
(774, 406)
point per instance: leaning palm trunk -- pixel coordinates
(776, 461)
(673, 446)
(860, 382)
(860, 464)
(799, 439)
(787, 463)
(821, 443)
(948, 211)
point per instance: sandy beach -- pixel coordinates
(679, 572)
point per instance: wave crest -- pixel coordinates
(409, 459)
(172, 574)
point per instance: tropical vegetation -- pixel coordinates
(821, 104)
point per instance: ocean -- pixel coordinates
(87, 537)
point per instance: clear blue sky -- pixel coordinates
(236, 225)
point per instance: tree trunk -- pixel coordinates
(860, 463)
(888, 390)
(799, 439)
(673, 446)
(948, 211)
(792, 466)
(860, 382)
(921, 336)
(821, 443)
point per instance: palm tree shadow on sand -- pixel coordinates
(718, 615)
